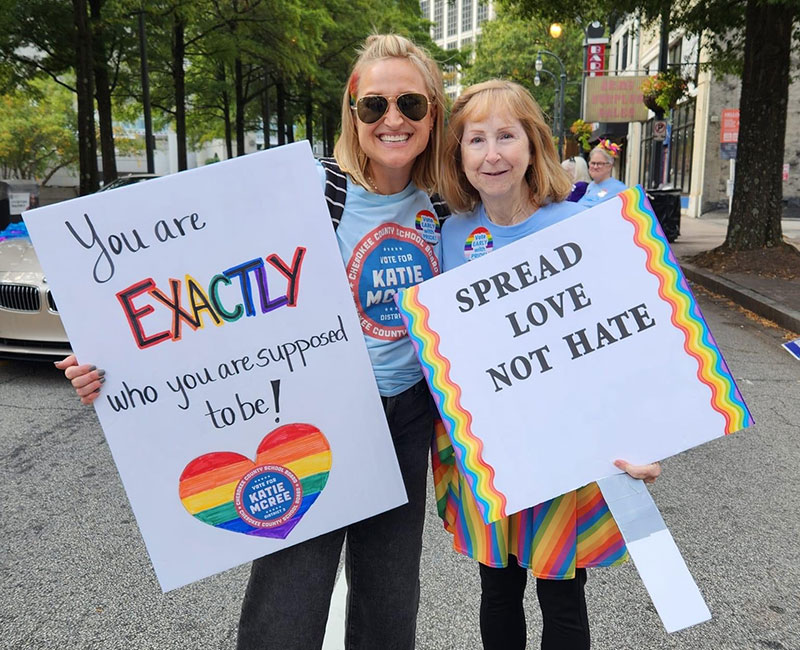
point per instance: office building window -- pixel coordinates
(452, 18)
(624, 62)
(438, 17)
(483, 12)
(466, 42)
(678, 172)
(675, 57)
(425, 9)
(466, 15)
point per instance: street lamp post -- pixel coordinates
(558, 119)
(563, 84)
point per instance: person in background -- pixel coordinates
(388, 153)
(501, 172)
(601, 164)
(578, 171)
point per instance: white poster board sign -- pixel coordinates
(240, 405)
(575, 346)
(18, 202)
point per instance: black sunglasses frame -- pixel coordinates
(363, 111)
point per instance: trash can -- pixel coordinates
(667, 206)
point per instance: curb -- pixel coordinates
(748, 298)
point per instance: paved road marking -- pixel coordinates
(334, 632)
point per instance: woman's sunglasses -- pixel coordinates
(371, 108)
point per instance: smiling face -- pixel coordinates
(393, 143)
(495, 154)
(599, 167)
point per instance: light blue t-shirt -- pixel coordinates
(599, 192)
(387, 242)
(471, 234)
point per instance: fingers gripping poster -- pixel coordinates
(239, 402)
(575, 346)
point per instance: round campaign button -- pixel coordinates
(428, 225)
(478, 243)
(268, 496)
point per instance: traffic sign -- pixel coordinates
(660, 130)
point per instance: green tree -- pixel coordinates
(754, 39)
(80, 44)
(37, 131)
(508, 48)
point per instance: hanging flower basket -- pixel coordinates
(582, 132)
(663, 91)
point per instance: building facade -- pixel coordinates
(693, 162)
(456, 26)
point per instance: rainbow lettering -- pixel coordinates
(211, 300)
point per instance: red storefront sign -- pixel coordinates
(596, 59)
(729, 131)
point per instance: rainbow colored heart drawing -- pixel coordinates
(267, 498)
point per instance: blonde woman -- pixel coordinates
(578, 171)
(387, 161)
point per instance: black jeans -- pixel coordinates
(287, 599)
(563, 604)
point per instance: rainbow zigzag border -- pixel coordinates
(686, 316)
(457, 419)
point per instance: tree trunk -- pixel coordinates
(179, 81)
(226, 103)
(330, 132)
(265, 109)
(309, 116)
(281, 101)
(226, 113)
(87, 141)
(103, 94)
(238, 83)
(755, 220)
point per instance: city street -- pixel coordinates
(75, 573)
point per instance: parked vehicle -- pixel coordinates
(30, 327)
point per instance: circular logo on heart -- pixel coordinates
(265, 498)
(268, 496)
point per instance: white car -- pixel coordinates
(30, 327)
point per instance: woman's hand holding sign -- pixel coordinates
(85, 379)
(648, 473)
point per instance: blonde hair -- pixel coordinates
(546, 180)
(577, 168)
(348, 151)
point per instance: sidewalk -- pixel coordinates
(775, 299)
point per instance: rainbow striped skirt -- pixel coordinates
(575, 530)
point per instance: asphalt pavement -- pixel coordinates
(773, 298)
(74, 572)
